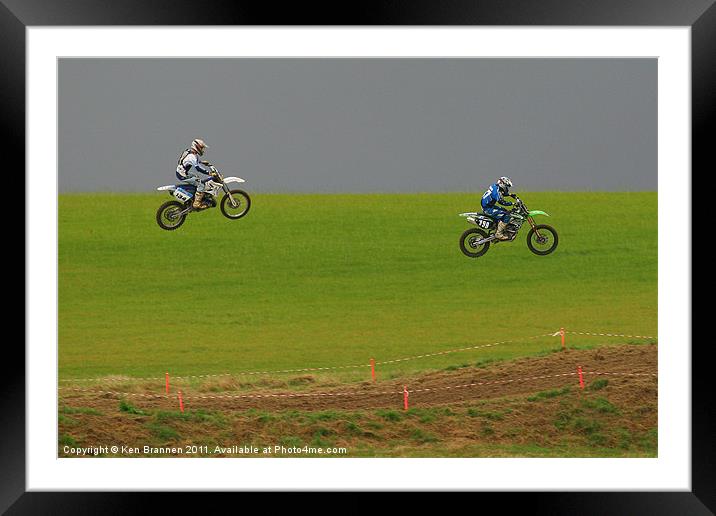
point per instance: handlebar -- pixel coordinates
(518, 205)
(214, 171)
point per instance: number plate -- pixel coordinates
(483, 223)
(182, 195)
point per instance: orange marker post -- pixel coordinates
(405, 397)
(167, 382)
(181, 403)
(372, 368)
(581, 378)
(561, 333)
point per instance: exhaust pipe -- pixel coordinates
(485, 240)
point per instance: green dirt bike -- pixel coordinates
(541, 239)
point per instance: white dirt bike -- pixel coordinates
(234, 204)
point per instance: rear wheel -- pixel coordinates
(468, 243)
(542, 239)
(168, 215)
(240, 206)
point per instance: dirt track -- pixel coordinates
(521, 376)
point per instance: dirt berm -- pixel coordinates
(633, 365)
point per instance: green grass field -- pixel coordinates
(325, 280)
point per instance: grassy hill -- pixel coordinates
(326, 280)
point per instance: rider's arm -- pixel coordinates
(192, 161)
(200, 166)
(502, 200)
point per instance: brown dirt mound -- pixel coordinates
(633, 365)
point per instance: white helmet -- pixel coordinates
(504, 183)
(198, 146)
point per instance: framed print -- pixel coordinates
(426, 251)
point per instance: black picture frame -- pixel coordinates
(700, 15)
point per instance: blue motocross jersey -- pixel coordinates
(493, 196)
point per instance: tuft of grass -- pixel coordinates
(492, 416)
(327, 415)
(587, 426)
(291, 440)
(563, 420)
(649, 441)
(598, 384)
(597, 439)
(353, 428)
(421, 436)
(163, 432)
(319, 436)
(66, 440)
(390, 415)
(553, 393)
(423, 415)
(125, 406)
(64, 420)
(486, 362)
(197, 416)
(266, 417)
(624, 438)
(601, 405)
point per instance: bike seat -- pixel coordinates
(186, 186)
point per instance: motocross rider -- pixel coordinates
(493, 196)
(190, 170)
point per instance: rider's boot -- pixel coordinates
(198, 204)
(500, 233)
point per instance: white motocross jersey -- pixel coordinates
(192, 160)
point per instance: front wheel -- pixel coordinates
(168, 215)
(239, 207)
(542, 239)
(468, 243)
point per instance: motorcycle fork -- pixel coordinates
(534, 226)
(228, 193)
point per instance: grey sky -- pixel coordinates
(361, 125)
